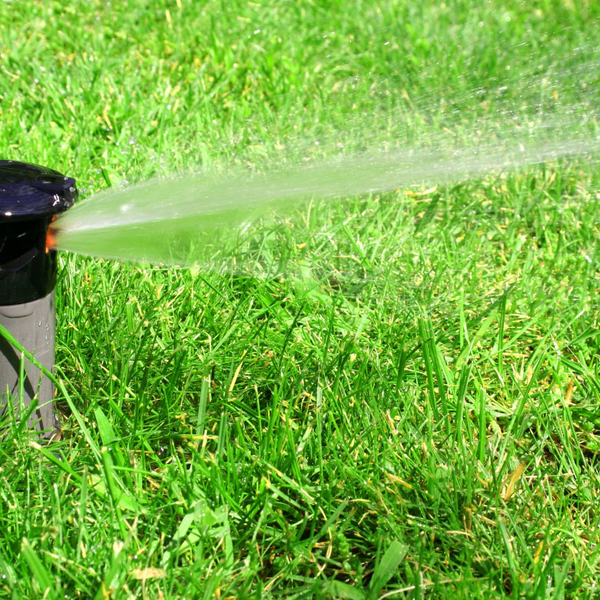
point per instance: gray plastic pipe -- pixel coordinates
(30, 197)
(33, 326)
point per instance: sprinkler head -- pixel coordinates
(30, 198)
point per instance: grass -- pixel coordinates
(416, 416)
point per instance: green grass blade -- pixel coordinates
(386, 568)
(39, 571)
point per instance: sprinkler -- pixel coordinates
(30, 197)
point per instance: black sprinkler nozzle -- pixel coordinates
(30, 197)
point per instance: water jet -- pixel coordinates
(30, 198)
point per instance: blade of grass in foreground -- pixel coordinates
(40, 573)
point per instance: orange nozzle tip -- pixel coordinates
(50, 239)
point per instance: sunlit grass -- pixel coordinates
(409, 411)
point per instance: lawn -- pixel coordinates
(409, 406)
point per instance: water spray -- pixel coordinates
(203, 218)
(30, 198)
